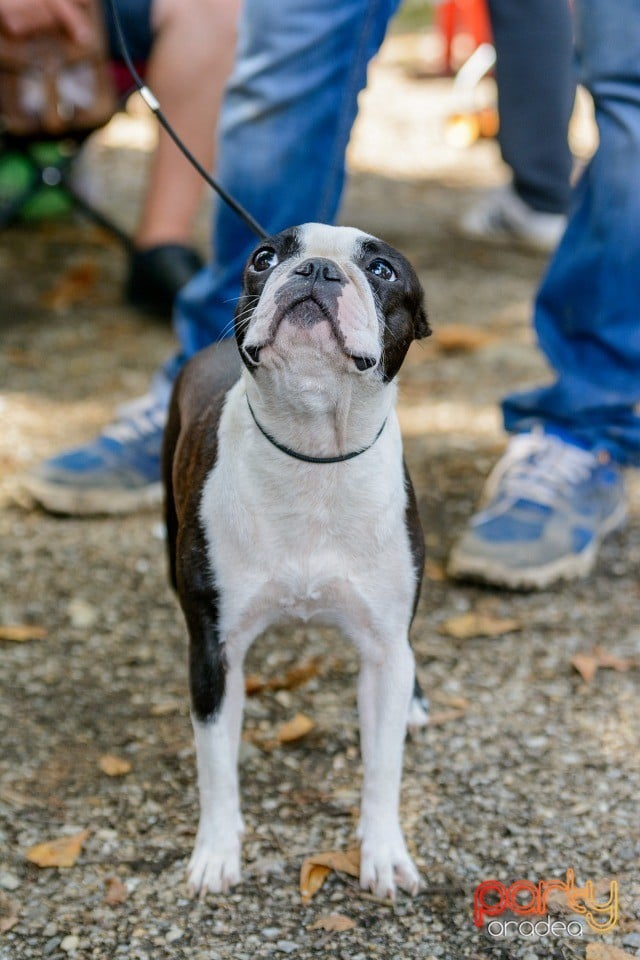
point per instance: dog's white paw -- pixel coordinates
(385, 865)
(214, 866)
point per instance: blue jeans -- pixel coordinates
(285, 124)
(587, 311)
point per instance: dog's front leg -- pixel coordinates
(217, 698)
(384, 692)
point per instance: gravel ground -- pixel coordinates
(527, 769)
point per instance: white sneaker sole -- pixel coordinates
(86, 503)
(573, 567)
(507, 238)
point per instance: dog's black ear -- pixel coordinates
(421, 326)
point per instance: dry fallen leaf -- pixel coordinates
(312, 876)
(116, 891)
(296, 728)
(450, 700)
(166, 708)
(62, 852)
(588, 664)
(444, 716)
(21, 632)
(301, 673)
(604, 951)
(71, 287)
(254, 683)
(333, 922)
(475, 624)
(608, 659)
(294, 677)
(114, 766)
(316, 868)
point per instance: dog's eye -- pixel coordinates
(382, 269)
(264, 259)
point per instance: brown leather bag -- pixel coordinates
(51, 86)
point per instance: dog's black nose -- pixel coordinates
(320, 268)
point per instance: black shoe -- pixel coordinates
(156, 274)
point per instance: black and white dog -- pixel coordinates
(287, 499)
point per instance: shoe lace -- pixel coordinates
(137, 420)
(539, 467)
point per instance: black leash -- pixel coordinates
(152, 102)
(303, 456)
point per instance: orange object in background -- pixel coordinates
(455, 17)
(465, 128)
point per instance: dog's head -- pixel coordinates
(317, 296)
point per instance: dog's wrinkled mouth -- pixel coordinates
(305, 312)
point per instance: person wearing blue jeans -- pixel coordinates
(285, 123)
(558, 490)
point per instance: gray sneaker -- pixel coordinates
(503, 217)
(548, 505)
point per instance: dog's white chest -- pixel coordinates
(291, 541)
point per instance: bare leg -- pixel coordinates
(191, 58)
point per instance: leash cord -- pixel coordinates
(154, 105)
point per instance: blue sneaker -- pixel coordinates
(118, 472)
(548, 504)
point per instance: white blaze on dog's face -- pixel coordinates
(317, 297)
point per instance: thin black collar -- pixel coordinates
(303, 456)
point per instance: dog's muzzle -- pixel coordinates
(310, 295)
